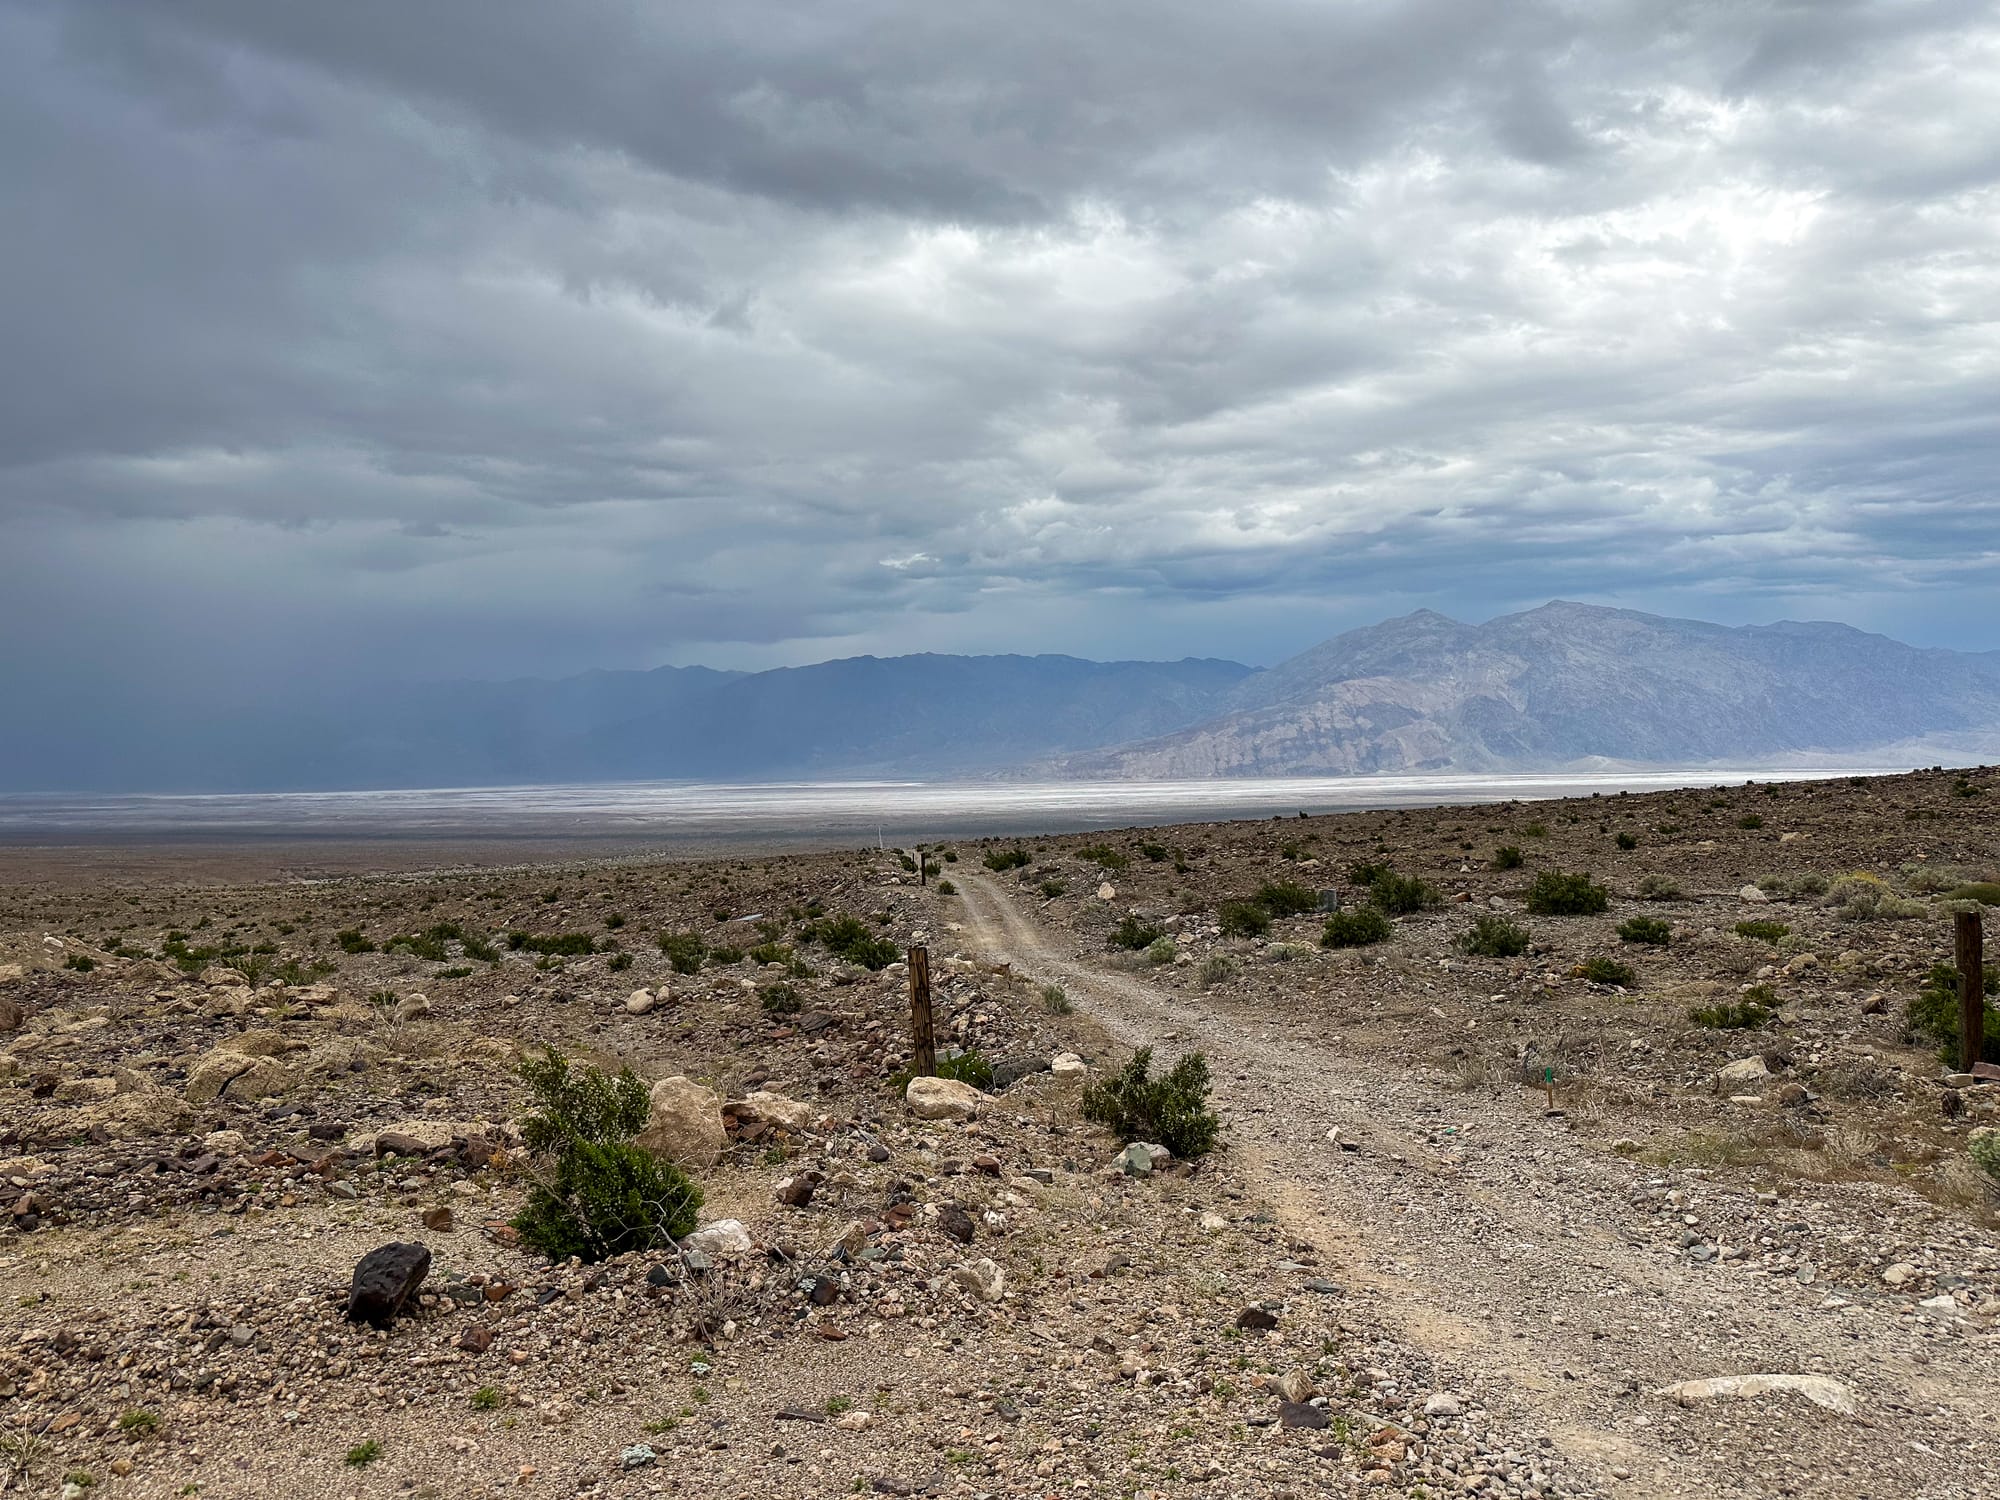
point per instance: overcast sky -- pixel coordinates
(500, 337)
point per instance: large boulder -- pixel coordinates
(943, 1099)
(776, 1109)
(684, 1123)
(228, 1074)
(385, 1281)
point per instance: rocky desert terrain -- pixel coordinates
(1667, 1193)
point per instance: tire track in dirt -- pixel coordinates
(1520, 1259)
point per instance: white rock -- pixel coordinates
(725, 1239)
(982, 1278)
(684, 1123)
(854, 1421)
(413, 1007)
(1899, 1273)
(1818, 1389)
(776, 1109)
(1443, 1404)
(943, 1099)
(1068, 1065)
(1744, 1070)
(1107, 892)
(1751, 893)
(639, 1002)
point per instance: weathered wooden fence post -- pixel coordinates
(924, 1038)
(1970, 956)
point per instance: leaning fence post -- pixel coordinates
(1970, 955)
(920, 1013)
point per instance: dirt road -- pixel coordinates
(1548, 1272)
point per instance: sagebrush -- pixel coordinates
(1171, 1111)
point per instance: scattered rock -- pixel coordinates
(1299, 1414)
(385, 1280)
(684, 1123)
(982, 1278)
(1818, 1389)
(943, 1099)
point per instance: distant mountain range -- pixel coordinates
(1562, 686)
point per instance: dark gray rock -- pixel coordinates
(384, 1282)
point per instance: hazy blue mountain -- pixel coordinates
(931, 715)
(1570, 683)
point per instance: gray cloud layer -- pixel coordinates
(492, 336)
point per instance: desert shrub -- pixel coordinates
(1055, 1000)
(1984, 1148)
(1052, 888)
(1658, 888)
(618, 963)
(1507, 857)
(293, 972)
(1751, 821)
(1244, 919)
(1171, 1111)
(1929, 880)
(351, 941)
(686, 951)
(1399, 895)
(1284, 953)
(1161, 951)
(1985, 892)
(1933, 1015)
(1154, 853)
(1006, 859)
(1731, 1015)
(771, 953)
(1863, 898)
(1648, 930)
(478, 949)
(1535, 831)
(946, 888)
(725, 957)
(1606, 971)
(1557, 893)
(595, 1194)
(1286, 898)
(82, 963)
(1494, 937)
(779, 999)
(1135, 933)
(428, 946)
(1762, 930)
(1626, 841)
(1105, 857)
(552, 945)
(1214, 970)
(909, 865)
(1356, 928)
(849, 938)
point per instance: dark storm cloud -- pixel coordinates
(503, 337)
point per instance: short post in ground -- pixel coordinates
(922, 1035)
(1970, 959)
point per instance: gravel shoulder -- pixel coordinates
(1531, 1265)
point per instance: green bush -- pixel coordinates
(1055, 1000)
(686, 951)
(1507, 857)
(552, 945)
(1171, 1111)
(779, 999)
(1751, 821)
(1244, 919)
(1933, 1014)
(1606, 971)
(850, 938)
(1648, 930)
(1052, 888)
(1984, 1148)
(1135, 934)
(1286, 898)
(1535, 831)
(82, 963)
(1740, 1015)
(1556, 893)
(595, 1194)
(1105, 857)
(1399, 895)
(1763, 930)
(1495, 937)
(1161, 951)
(1985, 892)
(1007, 859)
(1627, 841)
(1355, 928)
(351, 941)
(1658, 888)
(1155, 853)
(966, 1067)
